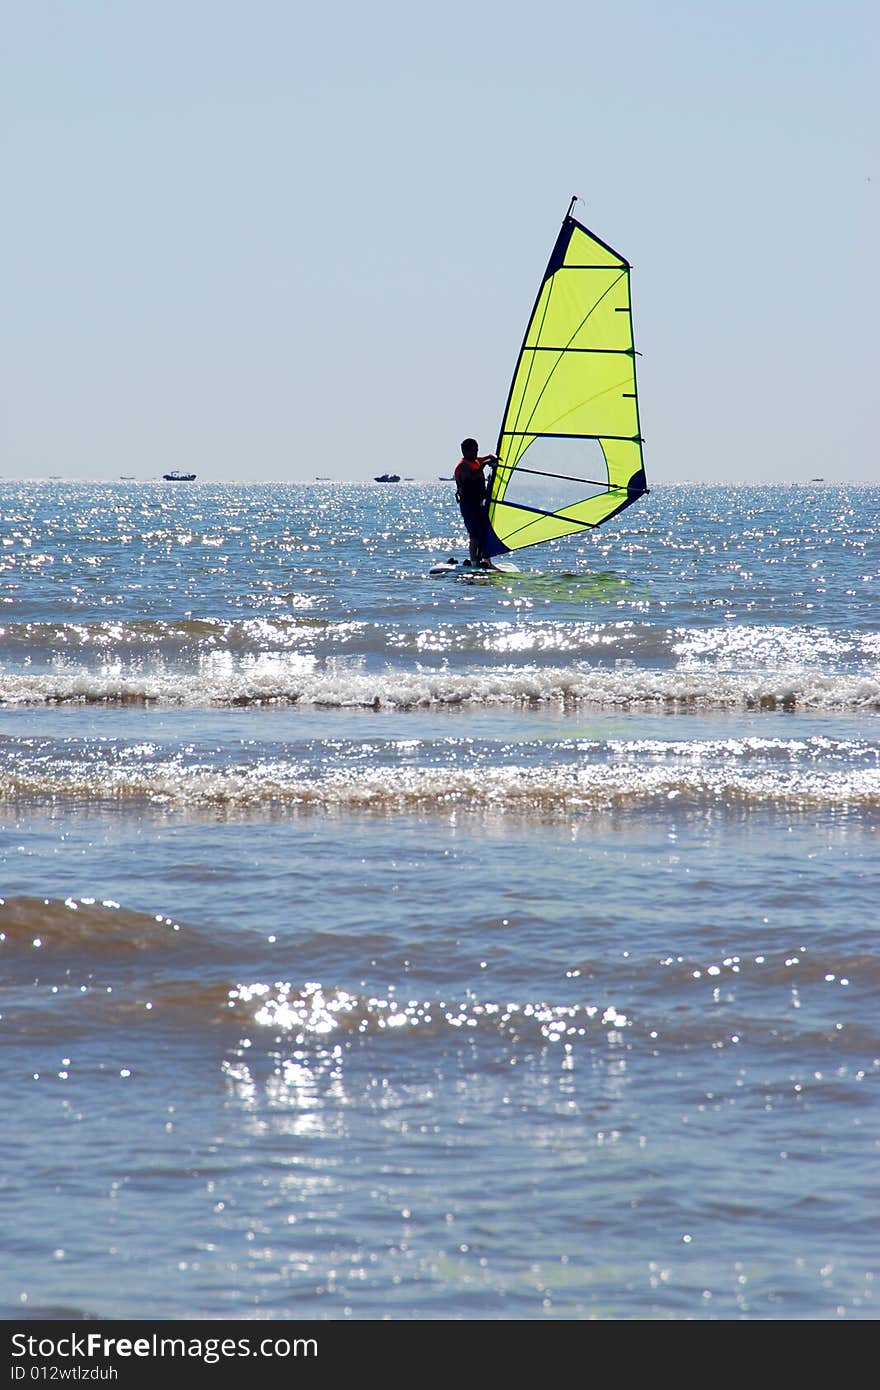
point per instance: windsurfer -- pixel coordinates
(472, 492)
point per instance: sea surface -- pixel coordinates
(376, 945)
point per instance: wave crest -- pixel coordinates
(300, 683)
(512, 790)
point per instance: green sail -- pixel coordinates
(570, 446)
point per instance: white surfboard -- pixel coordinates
(452, 566)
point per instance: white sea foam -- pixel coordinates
(303, 681)
(518, 790)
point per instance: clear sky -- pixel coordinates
(275, 240)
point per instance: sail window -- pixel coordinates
(554, 474)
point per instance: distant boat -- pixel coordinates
(179, 477)
(387, 478)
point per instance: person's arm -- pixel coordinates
(489, 461)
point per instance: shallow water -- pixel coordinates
(378, 945)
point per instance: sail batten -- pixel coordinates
(556, 434)
(570, 443)
(624, 352)
(568, 478)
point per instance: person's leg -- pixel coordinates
(474, 524)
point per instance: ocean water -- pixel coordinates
(375, 945)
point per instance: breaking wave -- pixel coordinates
(302, 682)
(509, 790)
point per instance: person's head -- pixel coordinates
(469, 448)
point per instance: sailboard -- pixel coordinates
(464, 568)
(570, 444)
